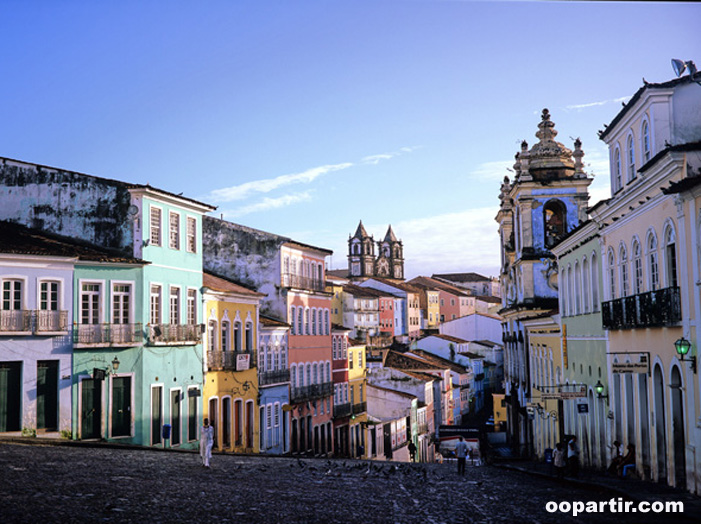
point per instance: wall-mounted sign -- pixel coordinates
(243, 362)
(583, 408)
(631, 367)
(575, 392)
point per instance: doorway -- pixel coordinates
(47, 395)
(121, 406)
(91, 408)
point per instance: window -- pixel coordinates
(350, 360)
(191, 235)
(49, 296)
(671, 258)
(293, 376)
(612, 275)
(652, 262)
(174, 230)
(623, 261)
(300, 320)
(212, 335)
(313, 321)
(565, 295)
(225, 334)
(326, 322)
(594, 284)
(585, 286)
(249, 336)
(646, 141)
(570, 298)
(616, 170)
(315, 375)
(121, 303)
(90, 303)
(577, 288)
(237, 336)
(155, 226)
(293, 330)
(328, 372)
(175, 305)
(192, 307)
(555, 222)
(306, 321)
(360, 359)
(335, 345)
(637, 269)
(155, 304)
(11, 295)
(631, 159)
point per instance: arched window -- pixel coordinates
(306, 321)
(594, 284)
(585, 286)
(315, 375)
(225, 335)
(293, 376)
(300, 369)
(631, 159)
(326, 322)
(570, 293)
(647, 146)
(212, 335)
(637, 268)
(652, 261)
(563, 287)
(555, 222)
(309, 374)
(300, 320)
(293, 318)
(670, 258)
(249, 336)
(313, 321)
(623, 261)
(328, 372)
(612, 275)
(335, 346)
(237, 336)
(616, 170)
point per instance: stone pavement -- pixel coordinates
(62, 481)
(630, 488)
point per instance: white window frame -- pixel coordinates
(132, 299)
(191, 225)
(101, 308)
(191, 306)
(155, 225)
(158, 303)
(174, 230)
(175, 304)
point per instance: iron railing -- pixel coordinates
(359, 407)
(312, 392)
(277, 376)
(300, 282)
(341, 410)
(175, 333)
(88, 335)
(47, 321)
(657, 308)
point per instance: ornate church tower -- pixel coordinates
(361, 254)
(390, 263)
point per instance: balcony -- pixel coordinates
(230, 360)
(359, 407)
(41, 322)
(312, 392)
(51, 321)
(278, 376)
(174, 334)
(103, 335)
(16, 321)
(300, 282)
(652, 309)
(341, 410)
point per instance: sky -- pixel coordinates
(303, 118)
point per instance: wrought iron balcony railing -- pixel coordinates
(359, 407)
(230, 360)
(51, 321)
(278, 376)
(341, 410)
(37, 322)
(312, 392)
(300, 282)
(175, 333)
(651, 309)
(91, 335)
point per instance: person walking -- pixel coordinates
(412, 451)
(573, 457)
(461, 454)
(559, 460)
(206, 442)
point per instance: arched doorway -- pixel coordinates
(678, 429)
(643, 402)
(659, 419)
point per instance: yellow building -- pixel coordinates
(334, 285)
(499, 408)
(231, 380)
(357, 386)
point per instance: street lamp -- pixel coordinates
(599, 388)
(680, 66)
(115, 364)
(683, 346)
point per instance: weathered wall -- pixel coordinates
(248, 256)
(66, 203)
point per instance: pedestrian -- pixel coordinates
(629, 458)
(617, 456)
(461, 453)
(559, 460)
(573, 457)
(206, 442)
(412, 451)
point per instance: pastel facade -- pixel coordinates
(342, 407)
(357, 387)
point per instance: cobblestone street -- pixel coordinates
(97, 484)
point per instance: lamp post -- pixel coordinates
(682, 346)
(599, 388)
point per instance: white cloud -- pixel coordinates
(376, 159)
(493, 171)
(269, 203)
(595, 104)
(247, 189)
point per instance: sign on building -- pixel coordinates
(631, 367)
(243, 362)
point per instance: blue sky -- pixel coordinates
(301, 118)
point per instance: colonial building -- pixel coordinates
(547, 199)
(364, 262)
